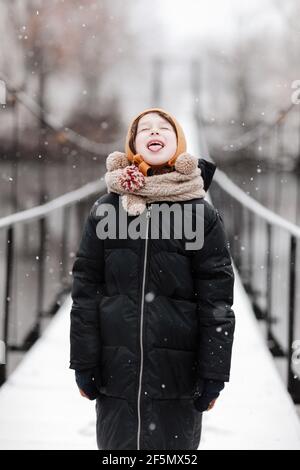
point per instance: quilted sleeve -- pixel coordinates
(214, 282)
(88, 275)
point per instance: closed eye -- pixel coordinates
(147, 128)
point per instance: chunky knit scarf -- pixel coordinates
(182, 184)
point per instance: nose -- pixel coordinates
(154, 130)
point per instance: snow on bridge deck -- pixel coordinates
(40, 406)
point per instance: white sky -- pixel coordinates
(184, 18)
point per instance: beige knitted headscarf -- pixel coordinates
(137, 158)
(182, 184)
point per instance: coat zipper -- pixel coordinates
(148, 215)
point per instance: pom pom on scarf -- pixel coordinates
(131, 178)
(116, 160)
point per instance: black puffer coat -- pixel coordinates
(152, 318)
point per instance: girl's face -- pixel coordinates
(154, 128)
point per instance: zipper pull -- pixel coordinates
(148, 215)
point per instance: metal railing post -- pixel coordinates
(269, 285)
(64, 245)
(293, 380)
(7, 301)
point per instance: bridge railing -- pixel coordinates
(265, 248)
(37, 260)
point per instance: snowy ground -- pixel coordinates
(254, 410)
(40, 406)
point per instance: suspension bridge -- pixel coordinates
(40, 406)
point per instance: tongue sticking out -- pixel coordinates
(155, 147)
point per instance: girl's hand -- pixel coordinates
(212, 404)
(206, 394)
(82, 393)
(86, 383)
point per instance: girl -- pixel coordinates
(151, 322)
